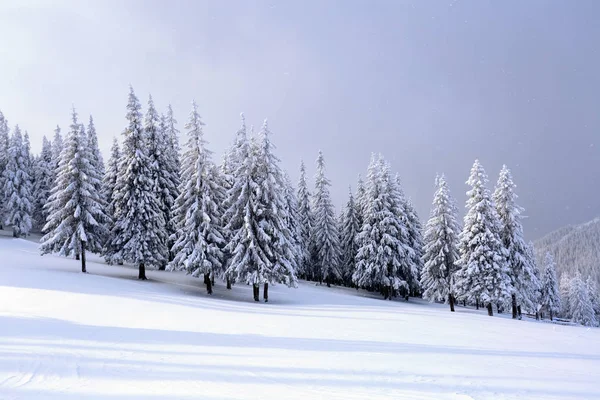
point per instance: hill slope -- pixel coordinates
(575, 247)
(104, 335)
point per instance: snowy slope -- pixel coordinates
(65, 335)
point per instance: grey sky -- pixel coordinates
(430, 84)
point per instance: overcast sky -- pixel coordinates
(432, 85)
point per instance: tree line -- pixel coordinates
(156, 205)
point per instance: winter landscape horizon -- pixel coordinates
(416, 219)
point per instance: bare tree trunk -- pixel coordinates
(77, 257)
(514, 306)
(464, 303)
(477, 304)
(142, 272)
(451, 301)
(228, 283)
(551, 315)
(162, 267)
(327, 281)
(209, 286)
(499, 307)
(519, 311)
(266, 292)
(83, 257)
(255, 291)
(490, 310)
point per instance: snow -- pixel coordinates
(105, 335)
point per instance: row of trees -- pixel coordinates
(243, 221)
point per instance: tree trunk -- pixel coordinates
(77, 256)
(83, 257)
(162, 267)
(451, 301)
(228, 283)
(537, 315)
(120, 262)
(499, 307)
(208, 286)
(255, 291)
(514, 306)
(266, 292)
(464, 303)
(477, 304)
(15, 234)
(212, 280)
(327, 281)
(519, 311)
(142, 272)
(490, 310)
(551, 315)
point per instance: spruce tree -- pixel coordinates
(594, 296)
(44, 182)
(382, 257)
(198, 247)
(76, 221)
(582, 309)
(57, 145)
(96, 156)
(520, 269)
(305, 223)
(415, 239)
(4, 144)
(564, 288)
(292, 221)
(441, 247)
(172, 170)
(360, 200)
(18, 187)
(483, 274)
(349, 229)
(325, 230)
(138, 235)
(110, 178)
(550, 296)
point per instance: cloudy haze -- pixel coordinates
(431, 85)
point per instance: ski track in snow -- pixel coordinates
(105, 335)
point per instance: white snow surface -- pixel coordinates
(104, 335)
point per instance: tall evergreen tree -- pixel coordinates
(76, 221)
(138, 235)
(326, 235)
(415, 239)
(483, 274)
(44, 182)
(564, 288)
(305, 223)
(550, 295)
(360, 200)
(172, 170)
(520, 269)
(382, 257)
(96, 156)
(582, 310)
(199, 244)
(441, 247)
(18, 187)
(349, 229)
(110, 178)
(594, 296)
(292, 221)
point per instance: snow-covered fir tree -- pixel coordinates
(44, 182)
(96, 156)
(57, 145)
(519, 265)
(360, 200)
(580, 304)
(534, 293)
(441, 247)
(349, 230)
(415, 240)
(325, 230)
(159, 152)
(18, 187)
(292, 221)
(382, 259)
(199, 241)
(594, 296)
(550, 299)
(564, 288)
(76, 220)
(4, 145)
(138, 235)
(483, 274)
(305, 223)
(259, 247)
(109, 179)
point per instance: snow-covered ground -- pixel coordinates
(66, 335)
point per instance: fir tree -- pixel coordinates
(382, 257)
(76, 221)
(326, 235)
(44, 182)
(96, 156)
(349, 228)
(18, 187)
(441, 247)
(550, 296)
(415, 240)
(564, 288)
(292, 221)
(4, 145)
(138, 235)
(172, 169)
(305, 223)
(110, 178)
(582, 310)
(520, 268)
(594, 296)
(199, 244)
(360, 200)
(483, 274)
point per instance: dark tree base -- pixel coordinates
(490, 310)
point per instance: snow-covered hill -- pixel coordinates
(104, 335)
(574, 247)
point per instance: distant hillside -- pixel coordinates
(575, 247)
